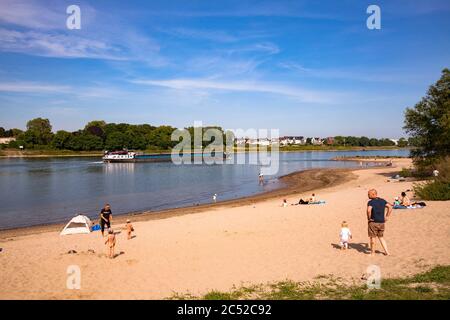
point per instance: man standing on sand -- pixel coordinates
(376, 217)
(105, 218)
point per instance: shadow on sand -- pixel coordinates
(360, 247)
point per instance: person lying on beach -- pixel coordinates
(129, 228)
(111, 243)
(310, 200)
(345, 235)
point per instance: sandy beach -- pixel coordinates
(216, 247)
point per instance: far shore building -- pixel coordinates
(7, 140)
(329, 140)
(253, 142)
(292, 140)
(240, 141)
(316, 141)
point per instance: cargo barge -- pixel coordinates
(129, 156)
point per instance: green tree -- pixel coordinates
(84, 142)
(364, 141)
(61, 139)
(13, 132)
(96, 128)
(428, 122)
(374, 142)
(39, 132)
(160, 138)
(402, 142)
(116, 141)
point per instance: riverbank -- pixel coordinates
(296, 182)
(13, 153)
(47, 153)
(221, 247)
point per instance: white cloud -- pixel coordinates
(245, 86)
(31, 14)
(32, 87)
(91, 91)
(369, 75)
(38, 28)
(57, 45)
(210, 35)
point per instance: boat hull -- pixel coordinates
(164, 157)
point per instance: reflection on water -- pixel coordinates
(114, 168)
(36, 191)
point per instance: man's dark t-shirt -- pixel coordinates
(106, 214)
(378, 205)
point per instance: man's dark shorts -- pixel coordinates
(376, 229)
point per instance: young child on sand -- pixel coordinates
(285, 204)
(345, 235)
(129, 228)
(111, 242)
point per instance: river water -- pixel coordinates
(38, 191)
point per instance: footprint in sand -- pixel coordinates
(131, 262)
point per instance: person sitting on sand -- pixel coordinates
(377, 216)
(404, 202)
(396, 201)
(345, 235)
(111, 243)
(105, 217)
(284, 204)
(129, 228)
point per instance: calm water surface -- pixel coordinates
(38, 191)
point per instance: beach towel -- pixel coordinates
(318, 202)
(418, 206)
(96, 227)
(414, 207)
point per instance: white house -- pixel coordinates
(316, 141)
(287, 140)
(7, 140)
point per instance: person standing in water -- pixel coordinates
(105, 218)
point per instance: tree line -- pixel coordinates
(96, 136)
(99, 135)
(368, 142)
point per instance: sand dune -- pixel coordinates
(225, 246)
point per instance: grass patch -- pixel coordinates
(435, 190)
(431, 285)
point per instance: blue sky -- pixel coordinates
(304, 67)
